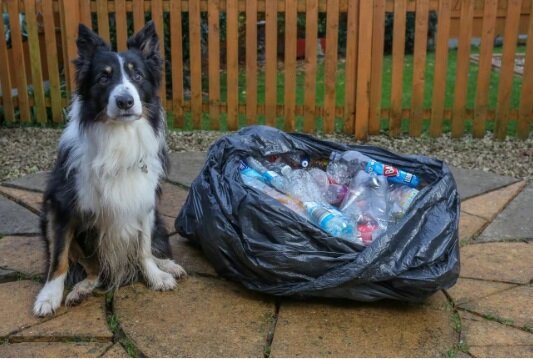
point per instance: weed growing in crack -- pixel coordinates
(497, 318)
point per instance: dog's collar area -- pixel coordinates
(143, 166)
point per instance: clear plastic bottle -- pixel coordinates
(344, 165)
(330, 220)
(270, 177)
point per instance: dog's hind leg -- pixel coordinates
(157, 278)
(59, 236)
(85, 287)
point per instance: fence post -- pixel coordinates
(70, 18)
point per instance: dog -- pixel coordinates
(100, 218)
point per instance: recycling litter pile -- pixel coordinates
(349, 196)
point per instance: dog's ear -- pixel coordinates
(88, 42)
(146, 41)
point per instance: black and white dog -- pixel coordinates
(100, 217)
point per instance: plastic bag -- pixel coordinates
(255, 240)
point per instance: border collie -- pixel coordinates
(100, 218)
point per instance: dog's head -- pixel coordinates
(118, 86)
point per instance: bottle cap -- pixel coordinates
(333, 156)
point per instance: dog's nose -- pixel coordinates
(124, 102)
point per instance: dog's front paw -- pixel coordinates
(162, 281)
(81, 291)
(169, 266)
(46, 303)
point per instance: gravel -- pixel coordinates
(28, 150)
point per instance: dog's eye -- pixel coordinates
(104, 78)
(137, 75)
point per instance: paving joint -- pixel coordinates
(272, 329)
(118, 333)
(20, 203)
(57, 339)
(497, 319)
(12, 185)
(461, 345)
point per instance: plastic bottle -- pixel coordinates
(356, 200)
(344, 165)
(330, 220)
(400, 199)
(296, 159)
(378, 199)
(270, 177)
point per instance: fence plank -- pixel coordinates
(484, 67)
(505, 85)
(463, 66)
(290, 65)
(232, 52)
(271, 61)
(121, 24)
(350, 64)
(525, 114)
(5, 78)
(51, 60)
(157, 17)
(85, 13)
(138, 14)
(18, 54)
(176, 51)
(398, 56)
(419, 67)
(364, 66)
(195, 52)
(378, 39)
(103, 19)
(251, 61)
(70, 18)
(441, 67)
(35, 61)
(330, 64)
(214, 63)
(311, 32)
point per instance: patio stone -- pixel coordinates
(172, 199)
(471, 182)
(382, 329)
(16, 302)
(515, 220)
(116, 351)
(16, 219)
(489, 205)
(202, 317)
(190, 257)
(505, 262)
(185, 166)
(466, 289)
(512, 306)
(480, 332)
(86, 321)
(32, 182)
(469, 226)
(31, 199)
(23, 254)
(53, 350)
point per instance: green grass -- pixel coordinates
(386, 90)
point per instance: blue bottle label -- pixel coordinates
(392, 173)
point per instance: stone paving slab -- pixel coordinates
(470, 226)
(116, 351)
(190, 257)
(384, 329)
(515, 222)
(86, 321)
(16, 219)
(16, 301)
(172, 199)
(31, 199)
(185, 166)
(32, 182)
(23, 254)
(506, 262)
(202, 317)
(488, 205)
(471, 183)
(512, 306)
(466, 289)
(53, 350)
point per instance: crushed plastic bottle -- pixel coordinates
(344, 165)
(400, 199)
(270, 177)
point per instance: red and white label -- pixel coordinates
(390, 171)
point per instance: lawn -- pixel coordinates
(386, 90)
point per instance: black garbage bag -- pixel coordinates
(253, 239)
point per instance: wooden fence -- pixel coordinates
(201, 91)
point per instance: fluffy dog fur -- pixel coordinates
(100, 216)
